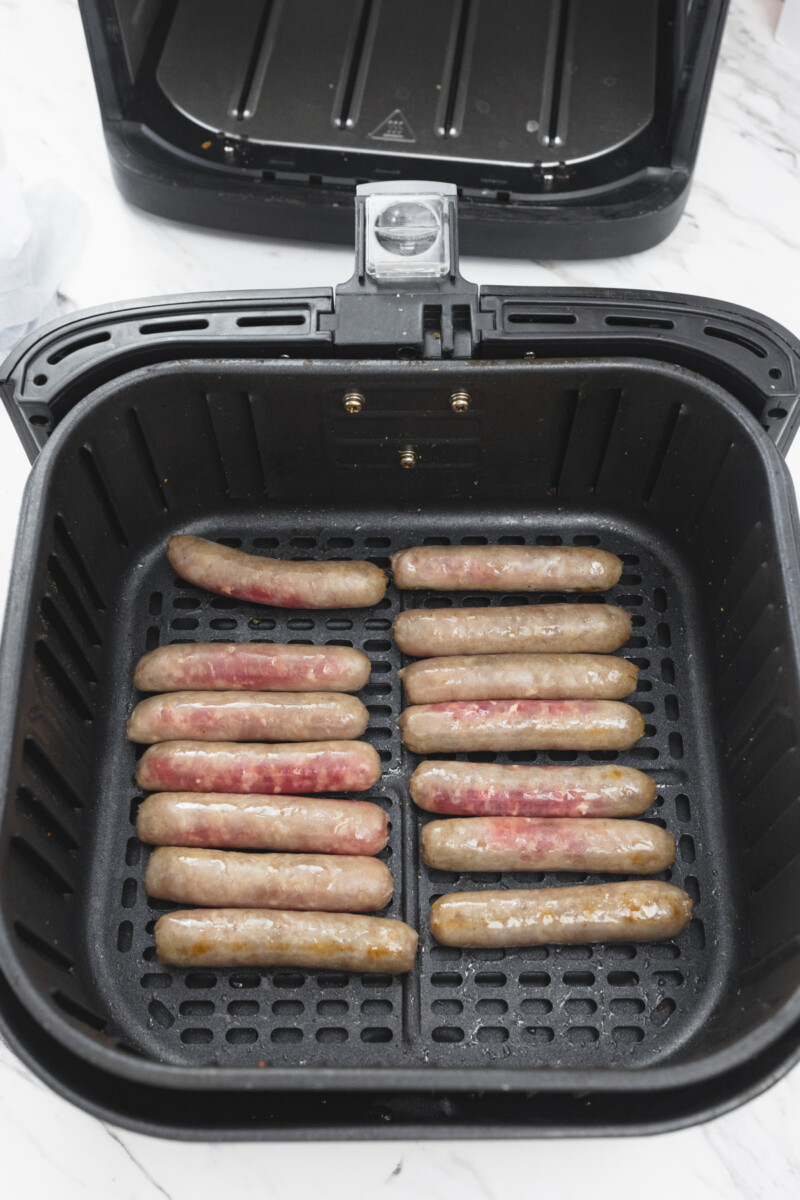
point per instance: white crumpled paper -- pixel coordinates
(42, 232)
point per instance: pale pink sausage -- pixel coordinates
(233, 879)
(269, 938)
(216, 819)
(275, 581)
(294, 768)
(519, 676)
(529, 628)
(506, 568)
(466, 725)
(547, 844)
(247, 717)
(226, 666)
(637, 911)
(499, 789)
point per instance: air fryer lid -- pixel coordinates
(570, 127)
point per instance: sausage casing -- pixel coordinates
(465, 725)
(289, 823)
(521, 676)
(247, 717)
(501, 789)
(506, 568)
(531, 628)
(257, 666)
(270, 938)
(234, 879)
(547, 844)
(244, 767)
(275, 581)
(634, 911)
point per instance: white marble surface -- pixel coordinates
(739, 240)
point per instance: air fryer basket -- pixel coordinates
(646, 458)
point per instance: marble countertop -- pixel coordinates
(739, 240)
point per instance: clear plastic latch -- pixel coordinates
(407, 230)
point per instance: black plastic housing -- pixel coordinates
(645, 422)
(570, 128)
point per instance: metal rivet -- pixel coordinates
(460, 401)
(408, 458)
(353, 402)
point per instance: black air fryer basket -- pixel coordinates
(647, 423)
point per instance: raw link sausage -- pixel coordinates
(269, 938)
(467, 725)
(294, 768)
(521, 676)
(298, 823)
(532, 628)
(506, 568)
(247, 717)
(275, 581)
(500, 789)
(635, 911)
(232, 879)
(226, 666)
(547, 844)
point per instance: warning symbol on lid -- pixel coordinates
(395, 128)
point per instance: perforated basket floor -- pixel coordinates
(592, 1006)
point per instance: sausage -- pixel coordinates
(520, 725)
(262, 938)
(521, 676)
(246, 767)
(247, 717)
(634, 911)
(557, 628)
(262, 823)
(547, 844)
(275, 581)
(232, 879)
(499, 789)
(225, 666)
(506, 568)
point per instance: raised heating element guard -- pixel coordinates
(296, 424)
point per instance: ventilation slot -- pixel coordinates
(173, 326)
(59, 626)
(78, 564)
(738, 339)
(79, 1012)
(35, 758)
(64, 588)
(270, 320)
(522, 318)
(84, 343)
(640, 322)
(146, 459)
(41, 865)
(103, 495)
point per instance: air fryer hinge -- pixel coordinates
(406, 297)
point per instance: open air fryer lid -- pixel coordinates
(570, 127)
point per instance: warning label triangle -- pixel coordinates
(395, 128)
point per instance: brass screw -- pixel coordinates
(353, 402)
(408, 458)
(460, 401)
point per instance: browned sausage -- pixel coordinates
(520, 725)
(532, 628)
(506, 568)
(275, 581)
(498, 789)
(520, 677)
(268, 938)
(247, 717)
(233, 879)
(547, 844)
(637, 911)
(294, 768)
(262, 823)
(226, 666)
